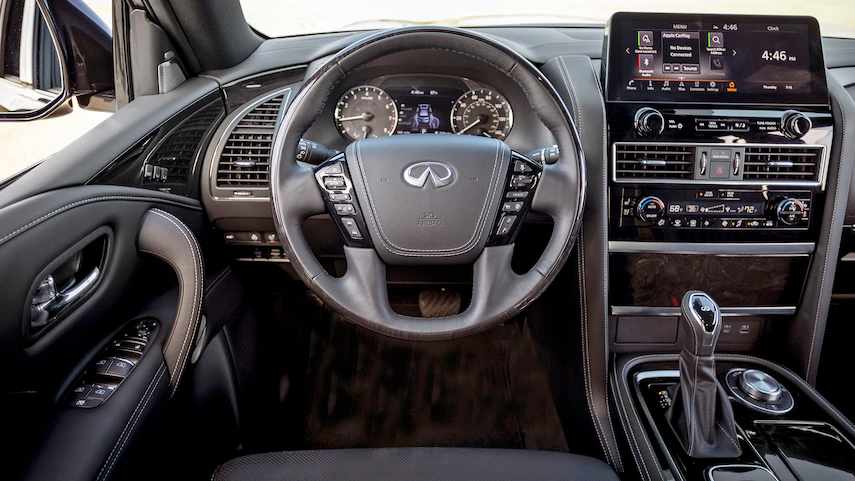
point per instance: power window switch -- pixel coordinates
(86, 403)
(130, 346)
(120, 368)
(81, 391)
(101, 365)
(100, 392)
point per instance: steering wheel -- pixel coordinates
(427, 199)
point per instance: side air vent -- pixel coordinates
(654, 161)
(177, 152)
(782, 163)
(245, 158)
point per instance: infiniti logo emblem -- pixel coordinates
(417, 174)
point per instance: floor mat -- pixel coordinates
(366, 390)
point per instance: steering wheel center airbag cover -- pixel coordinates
(429, 197)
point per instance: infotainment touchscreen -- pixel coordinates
(715, 59)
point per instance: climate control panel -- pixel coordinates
(705, 208)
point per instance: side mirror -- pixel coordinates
(50, 51)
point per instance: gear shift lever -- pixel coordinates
(700, 414)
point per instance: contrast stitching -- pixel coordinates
(135, 418)
(565, 75)
(116, 445)
(828, 245)
(195, 307)
(639, 459)
(728, 435)
(693, 425)
(585, 356)
(471, 243)
(605, 226)
(87, 201)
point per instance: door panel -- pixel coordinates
(68, 233)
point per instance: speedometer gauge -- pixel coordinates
(482, 112)
(366, 112)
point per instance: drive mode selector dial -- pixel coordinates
(760, 386)
(649, 121)
(650, 209)
(790, 211)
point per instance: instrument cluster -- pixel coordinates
(410, 104)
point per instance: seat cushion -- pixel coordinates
(415, 464)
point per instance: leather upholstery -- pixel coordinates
(701, 415)
(415, 464)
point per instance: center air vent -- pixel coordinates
(245, 158)
(654, 161)
(782, 163)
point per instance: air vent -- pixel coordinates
(654, 161)
(245, 159)
(177, 152)
(782, 163)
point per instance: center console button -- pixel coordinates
(720, 154)
(650, 209)
(720, 170)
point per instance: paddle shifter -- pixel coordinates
(700, 414)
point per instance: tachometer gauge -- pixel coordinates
(482, 112)
(366, 112)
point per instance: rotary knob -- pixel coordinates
(795, 124)
(760, 386)
(649, 121)
(650, 209)
(790, 211)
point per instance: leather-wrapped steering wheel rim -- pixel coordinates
(360, 295)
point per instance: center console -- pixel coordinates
(720, 131)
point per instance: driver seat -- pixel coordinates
(415, 464)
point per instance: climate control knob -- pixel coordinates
(790, 211)
(795, 124)
(650, 209)
(649, 122)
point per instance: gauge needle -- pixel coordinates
(365, 116)
(473, 124)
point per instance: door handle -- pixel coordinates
(48, 303)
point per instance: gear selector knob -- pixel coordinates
(702, 317)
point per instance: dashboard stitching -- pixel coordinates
(828, 245)
(588, 383)
(605, 226)
(468, 246)
(639, 458)
(88, 201)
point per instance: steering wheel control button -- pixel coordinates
(344, 209)
(512, 206)
(759, 391)
(334, 169)
(506, 223)
(521, 167)
(522, 181)
(334, 183)
(339, 197)
(516, 194)
(350, 226)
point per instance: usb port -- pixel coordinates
(744, 328)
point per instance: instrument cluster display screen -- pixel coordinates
(715, 59)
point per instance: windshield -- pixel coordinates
(279, 19)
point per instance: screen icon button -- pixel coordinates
(645, 62)
(716, 63)
(715, 40)
(645, 38)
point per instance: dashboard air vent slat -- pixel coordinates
(655, 161)
(782, 163)
(245, 159)
(178, 150)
